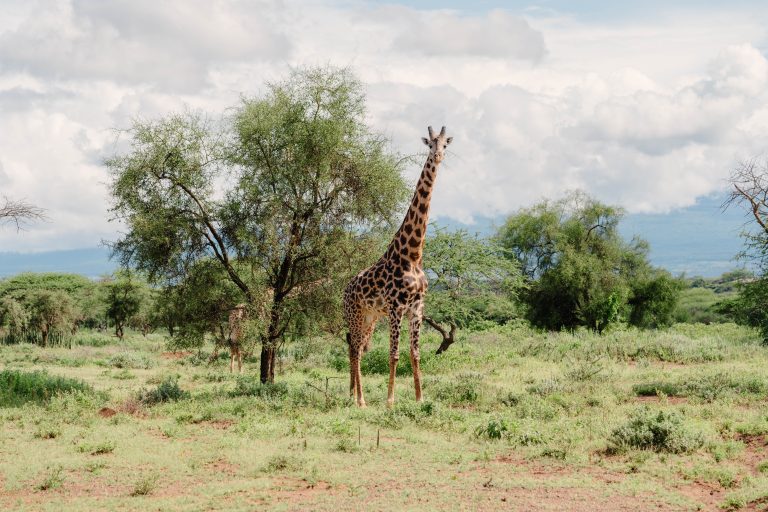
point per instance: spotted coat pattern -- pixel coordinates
(395, 285)
(237, 317)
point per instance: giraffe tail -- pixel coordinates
(349, 338)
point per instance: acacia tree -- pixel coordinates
(124, 297)
(13, 314)
(288, 191)
(749, 182)
(470, 280)
(51, 311)
(581, 272)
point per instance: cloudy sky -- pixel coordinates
(647, 106)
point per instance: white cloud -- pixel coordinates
(650, 116)
(496, 34)
(170, 45)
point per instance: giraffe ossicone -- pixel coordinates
(394, 286)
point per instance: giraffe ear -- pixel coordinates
(448, 140)
(426, 140)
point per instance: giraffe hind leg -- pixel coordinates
(355, 385)
(414, 328)
(395, 318)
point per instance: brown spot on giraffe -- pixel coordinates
(395, 285)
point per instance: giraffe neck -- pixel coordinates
(408, 242)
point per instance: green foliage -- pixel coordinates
(130, 360)
(654, 300)
(496, 428)
(462, 389)
(52, 479)
(200, 304)
(83, 293)
(376, 360)
(701, 305)
(19, 387)
(22, 286)
(50, 312)
(13, 314)
(470, 281)
(250, 386)
(125, 294)
(750, 307)
(707, 387)
(282, 463)
(167, 391)
(145, 485)
(581, 272)
(656, 430)
(101, 448)
(309, 188)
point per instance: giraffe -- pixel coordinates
(395, 285)
(237, 317)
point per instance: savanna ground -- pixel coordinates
(513, 420)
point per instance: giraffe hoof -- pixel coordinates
(390, 403)
(361, 405)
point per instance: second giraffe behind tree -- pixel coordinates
(395, 285)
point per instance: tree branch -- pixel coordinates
(18, 212)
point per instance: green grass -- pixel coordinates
(19, 387)
(510, 413)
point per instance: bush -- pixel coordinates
(167, 391)
(494, 429)
(17, 387)
(465, 388)
(252, 386)
(546, 387)
(130, 360)
(101, 448)
(92, 339)
(706, 387)
(280, 463)
(655, 430)
(52, 479)
(145, 485)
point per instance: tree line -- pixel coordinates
(278, 203)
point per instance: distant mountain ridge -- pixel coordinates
(701, 240)
(90, 262)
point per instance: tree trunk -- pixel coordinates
(449, 336)
(267, 369)
(45, 337)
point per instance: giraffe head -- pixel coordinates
(437, 144)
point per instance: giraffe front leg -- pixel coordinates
(415, 328)
(395, 318)
(352, 393)
(359, 382)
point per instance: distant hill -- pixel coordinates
(700, 240)
(92, 262)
